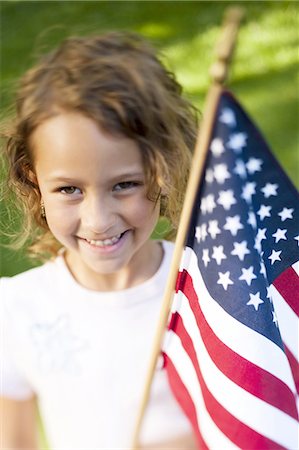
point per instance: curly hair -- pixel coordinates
(117, 80)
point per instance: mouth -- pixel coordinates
(109, 242)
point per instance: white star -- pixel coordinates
(209, 176)
(210, 203)
(297, 239)
(280, 234)
(221, 173)
(233, 225)
(255, 300)
(252, 219)
(240, 250)
(226, 199)
(228, 117)
(240, 169)
(261, 234)
(217, 147)
(213, 228)
(203, 205)
(286, 213)
(207, 204)
(205, 256)
(275, 256)
(254, 165)
(237, 141)
(263, 269)
(264, 211)
(224, 280)
(201, 232)
(269, 189)
(275, 318)
(198, 234)
(248, 191)
(247, 275)
(218, 254)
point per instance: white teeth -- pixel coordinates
(105, 242)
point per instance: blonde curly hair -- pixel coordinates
(117, 80)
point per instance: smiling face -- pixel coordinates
(95, 196)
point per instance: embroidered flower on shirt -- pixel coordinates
(58, 348)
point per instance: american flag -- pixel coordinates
(231, 348)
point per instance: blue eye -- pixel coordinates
(125, 185)
(69, 190)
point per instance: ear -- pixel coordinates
(32, 178)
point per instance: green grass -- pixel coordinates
(264, 74)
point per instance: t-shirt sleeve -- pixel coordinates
(13, 382)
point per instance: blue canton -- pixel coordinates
(244, 227)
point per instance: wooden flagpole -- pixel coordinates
(218, 72)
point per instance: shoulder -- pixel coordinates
(26, 286)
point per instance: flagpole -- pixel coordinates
(218, 72)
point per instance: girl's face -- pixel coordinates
(93, 188)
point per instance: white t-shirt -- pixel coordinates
(85, 355)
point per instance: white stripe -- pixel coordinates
(249, 409)
(296, 267)
(287, 321)
(240, 338)
(212, 435)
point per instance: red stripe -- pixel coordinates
(287, 284)
(239, 433)
(294, 366)
(184, 399)
(244, 373)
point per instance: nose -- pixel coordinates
(98, 214)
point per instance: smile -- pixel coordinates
(105, 242)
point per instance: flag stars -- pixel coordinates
(247, 275)
(255, 300)
(274, 317)
(254, 165)
(252, 220)
(217, 147)
(261, 235)
(248, 191)
(205, 256)
(286, 213)
(275, 256)
(233, 224)
(264, 211)
(237, 141)
(228, 117)
(240, 169)
(279, 234)
(207, 204)
(263, 269)
(213, 228)
(240, 250)
(226, 199)
(218, 254)
(224, 280)
(201, 232)
(269, 189)
(221, 173)
(209, 176)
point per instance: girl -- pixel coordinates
(100, 150)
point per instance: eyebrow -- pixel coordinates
(64, 179)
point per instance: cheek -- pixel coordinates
(143, 212)
(61, 220)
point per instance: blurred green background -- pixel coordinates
(264, 74)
